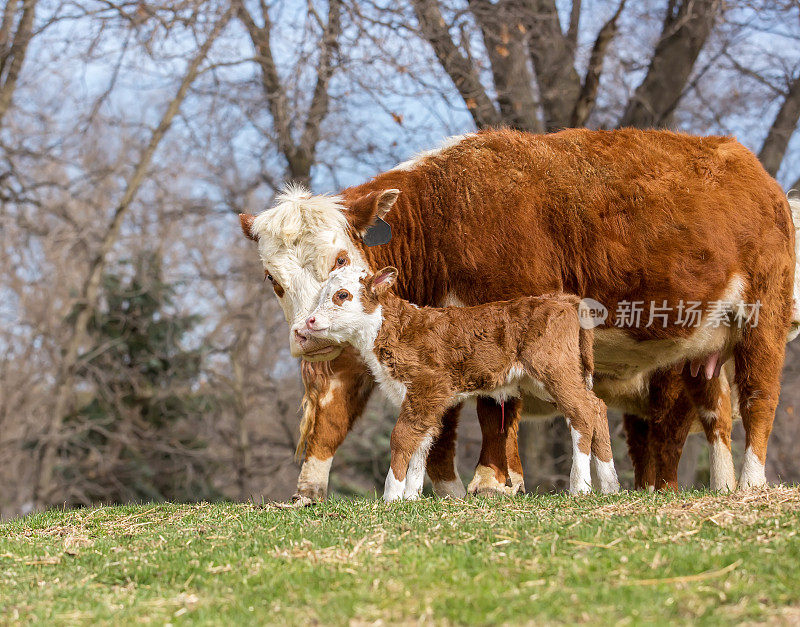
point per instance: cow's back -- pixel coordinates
(617, 216)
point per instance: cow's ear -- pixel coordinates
(246, 220)
(382, 280)
(363, 211)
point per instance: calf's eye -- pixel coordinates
(340, 261)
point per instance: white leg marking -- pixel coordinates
(753, 475)
(606, 475)
(416, 470)
(485, 481)
(723, 476)
(517, 482)
(314, 475)
(580, 477)
(453, 488)
(393, 489)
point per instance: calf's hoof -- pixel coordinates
(606, 476)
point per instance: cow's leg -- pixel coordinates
(602, 456)
(668, 433)
(671, 417)
(515, 474)
(758, 359)
(491, 473)
(335, 395)
(712, 402)
(411, 440)
(637, 434)
(442, 458)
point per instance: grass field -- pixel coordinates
(633, 558)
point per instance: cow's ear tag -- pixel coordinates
(379, 233)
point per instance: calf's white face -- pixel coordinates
(300, 241)
(340, 315)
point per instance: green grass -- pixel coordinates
(552, 558)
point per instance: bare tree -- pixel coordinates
(87, 299)
(784, 125)
(300, 154)
(16, 29)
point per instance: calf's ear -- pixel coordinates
(382, 280)
(246, 220)
(364, 211)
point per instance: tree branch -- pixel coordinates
(14, 55)
(299, 156)
(503, 30)
(463, 75)
(90, 289)
(683, 35)
(574, 25)
(319, 103)
(591, 82)
(553, 59)
(270, 80)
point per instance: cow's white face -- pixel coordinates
(339, 315)
(300, 241)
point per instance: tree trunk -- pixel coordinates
(12, 51)
(683, 36)
(774, 148)
(87, 300)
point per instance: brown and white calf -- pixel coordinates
(617, 216)
(427, 360)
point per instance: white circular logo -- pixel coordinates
(591, 313)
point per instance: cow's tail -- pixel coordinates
(586, 346)
(794, 205)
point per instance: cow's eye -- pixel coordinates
(269, 278)
(340, 261)
(342, 295)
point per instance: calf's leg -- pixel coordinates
(515, 475)
(602, 457)
(441, 463)
(579, 408)
(410, 442)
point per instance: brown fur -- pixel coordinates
(613, 215)
(438, 353)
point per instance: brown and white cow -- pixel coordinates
(428, 359)
(617, 216)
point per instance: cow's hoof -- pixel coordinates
(517, 482)
(315, 492)
(753, 475)
(485, 483)
(301, 500)
(452, 489)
